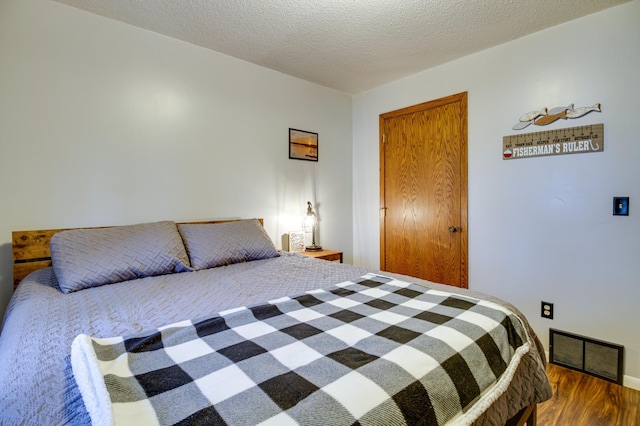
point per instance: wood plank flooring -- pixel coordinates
(582, 400)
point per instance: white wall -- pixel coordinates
(539, 228)
(102, 123)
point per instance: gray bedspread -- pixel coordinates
(36, 387)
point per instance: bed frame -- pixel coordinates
(30, 249)
(527, 416)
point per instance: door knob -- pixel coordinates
(453, 228)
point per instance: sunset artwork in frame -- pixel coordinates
(303, 145)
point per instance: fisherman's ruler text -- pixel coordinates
(574, 140)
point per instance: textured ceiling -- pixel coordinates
(349, 45)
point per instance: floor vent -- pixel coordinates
(590, 356)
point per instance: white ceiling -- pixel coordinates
(349, 45)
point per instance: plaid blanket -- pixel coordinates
(371, 351)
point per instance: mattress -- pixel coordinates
(37, 387)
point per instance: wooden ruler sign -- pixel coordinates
(574, 140)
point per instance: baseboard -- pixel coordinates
(628, 381)
(632, 382)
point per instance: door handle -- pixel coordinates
(453, 229)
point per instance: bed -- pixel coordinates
(207, 323)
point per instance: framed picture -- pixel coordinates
(303, 145)
(296, 241)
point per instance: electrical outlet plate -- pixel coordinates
(546, 310)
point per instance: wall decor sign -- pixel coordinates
(574, 140)
(545, 116)
(303, 145)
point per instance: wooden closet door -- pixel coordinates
(424, 191)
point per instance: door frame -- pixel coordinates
(463, 227)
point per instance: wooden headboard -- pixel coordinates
(30, 249)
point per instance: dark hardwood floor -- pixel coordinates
(582, 400)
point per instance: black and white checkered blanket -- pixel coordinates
(372, 351)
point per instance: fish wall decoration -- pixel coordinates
(545, 116)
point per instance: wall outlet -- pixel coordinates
(546, 310)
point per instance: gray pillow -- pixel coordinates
(84, 258)
(216, 244)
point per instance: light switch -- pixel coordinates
(621, 206)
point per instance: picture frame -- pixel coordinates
(303, 145)
(296, 241)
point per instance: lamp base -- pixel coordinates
(313, 247)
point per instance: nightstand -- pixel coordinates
(324, 254)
